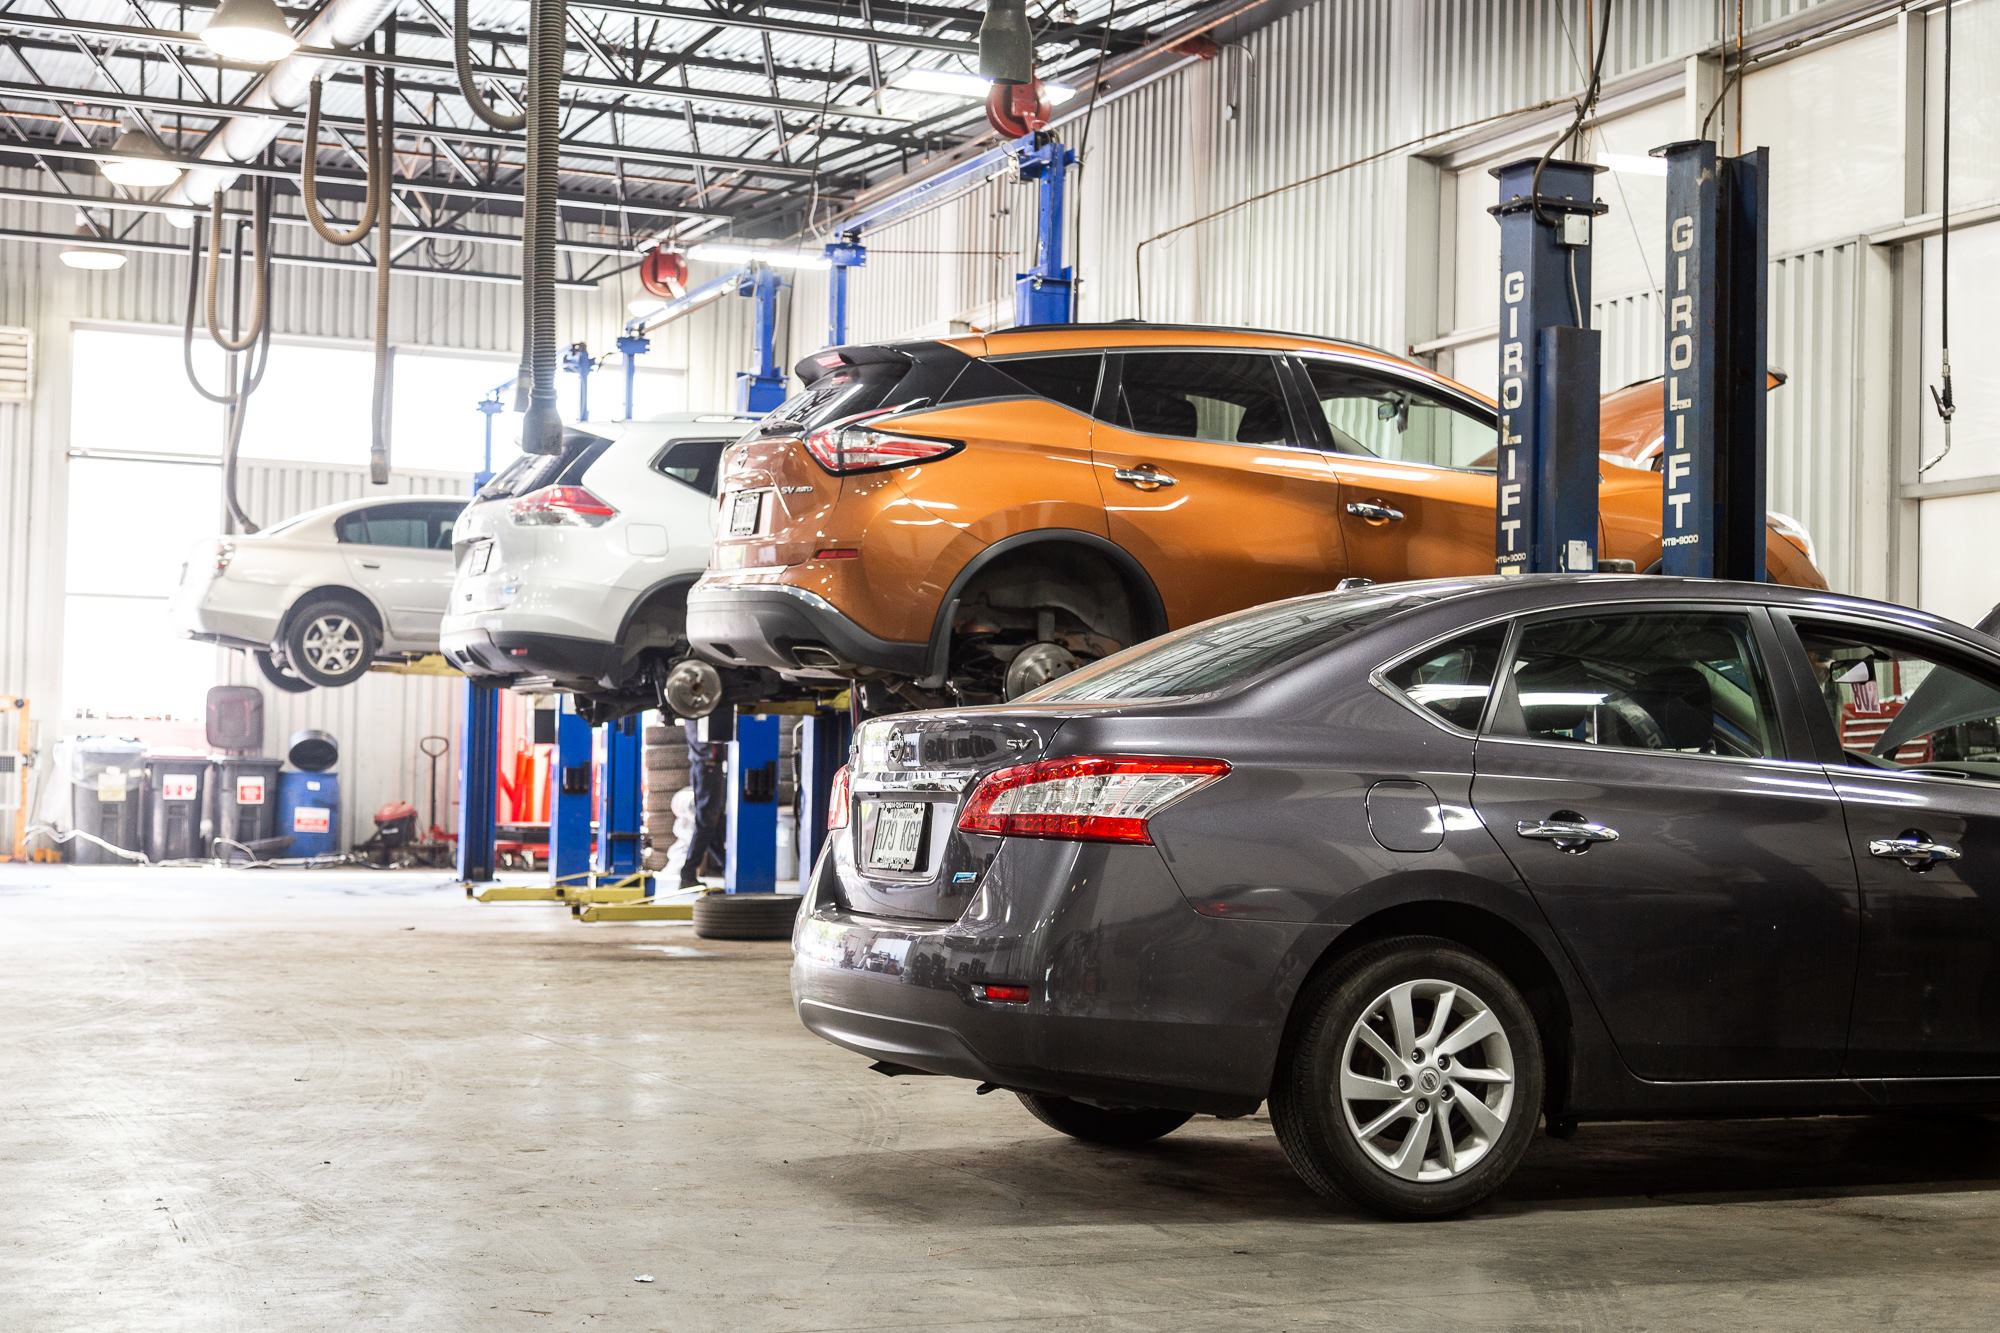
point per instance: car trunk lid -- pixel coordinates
(909, 778)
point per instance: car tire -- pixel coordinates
(667, 759)
(1347, 1144)
(657, 735)
(278, 674)
(1109, 1127)
(745, 916)
(330, 642)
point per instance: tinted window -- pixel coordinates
(1453, 681)
(424, 527)
(841, 392)
(1386, 417)
(1642, 680)
(1230, 397)
(693, 462)
(1069, 380)
(1229, 649)
(1897, 706)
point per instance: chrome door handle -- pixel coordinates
(1374, 513)
(1568, 830)
(1915, 850)
(1146, 477)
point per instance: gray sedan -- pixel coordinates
(1424, 866)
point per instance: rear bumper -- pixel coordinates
(505, 655)
(1136, 1000)
(794, 631)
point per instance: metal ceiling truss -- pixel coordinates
(633, 151)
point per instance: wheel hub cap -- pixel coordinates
(1426, 1080)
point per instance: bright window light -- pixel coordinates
(1633, 164)
(963, 83)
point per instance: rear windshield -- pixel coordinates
(531, 472)
(1229, 650)
(841, 392)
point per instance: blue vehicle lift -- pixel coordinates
(1717, 360)
(1546, 515)
(1045, 294)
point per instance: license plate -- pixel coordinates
(899, 836)
(482, 556)
(743, 512)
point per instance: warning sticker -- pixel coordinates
(249, 791)
(311, 819)
(180, 786)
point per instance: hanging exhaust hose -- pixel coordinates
(375, 218)
(542, 430)
(235, 399)
(461, 64)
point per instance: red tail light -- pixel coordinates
(560, 507)
(837, 801)
(1088, 798)
(846, 447)
(1001, 994)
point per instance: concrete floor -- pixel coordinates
(257, 1100)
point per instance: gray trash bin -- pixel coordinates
(176, 788)
(106, 797)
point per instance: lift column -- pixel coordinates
(753, 806)
(1046, 293)
(569, 801)
(763, 388)
(632, 346)
(478, 783)
(1546, 516)
(577, 361)
(824, 738)
(1717, 363)
(844, 254)
(619, 786)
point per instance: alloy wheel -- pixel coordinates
(332, 644)
(1426, 1080)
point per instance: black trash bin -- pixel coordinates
(246, 805)
(176, 788)
(106, 797)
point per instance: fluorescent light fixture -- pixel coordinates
(721, 252)
(1633, 164)
(963, 83)
(251, 31)
(90, 256)
(135, 162)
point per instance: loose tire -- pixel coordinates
(1105, 1126)
(330, 642)
(281, 676)
(667, 759)
(1411, 1082)
(745, 916)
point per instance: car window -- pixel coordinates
(1069, 380)
(1228, 397)
(1898, 706)
(1229, 649)
(1385, 416)
(695, 463)
(1454, 680)
(1687, 681)
(423, 527)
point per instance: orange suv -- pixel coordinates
(960, 520)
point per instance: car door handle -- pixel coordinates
(370, 564)
(1915, 850)
(1373, 512)
(1147, 477)
(1568, 830)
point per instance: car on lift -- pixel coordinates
(572, 569)
(1421, 866)
(323, 596)
(957, 521)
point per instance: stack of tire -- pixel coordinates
(666, 759)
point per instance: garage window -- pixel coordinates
(1226, 397)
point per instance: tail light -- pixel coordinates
(849, 446)
(224, 553)
(560, 507)
(1088, 798)
(837, 801)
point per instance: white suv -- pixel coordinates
(573, 569)
(318, 598)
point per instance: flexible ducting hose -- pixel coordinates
(542, 430)
(235, 399)
(468, 87)
(376, 218)
(309, 170)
